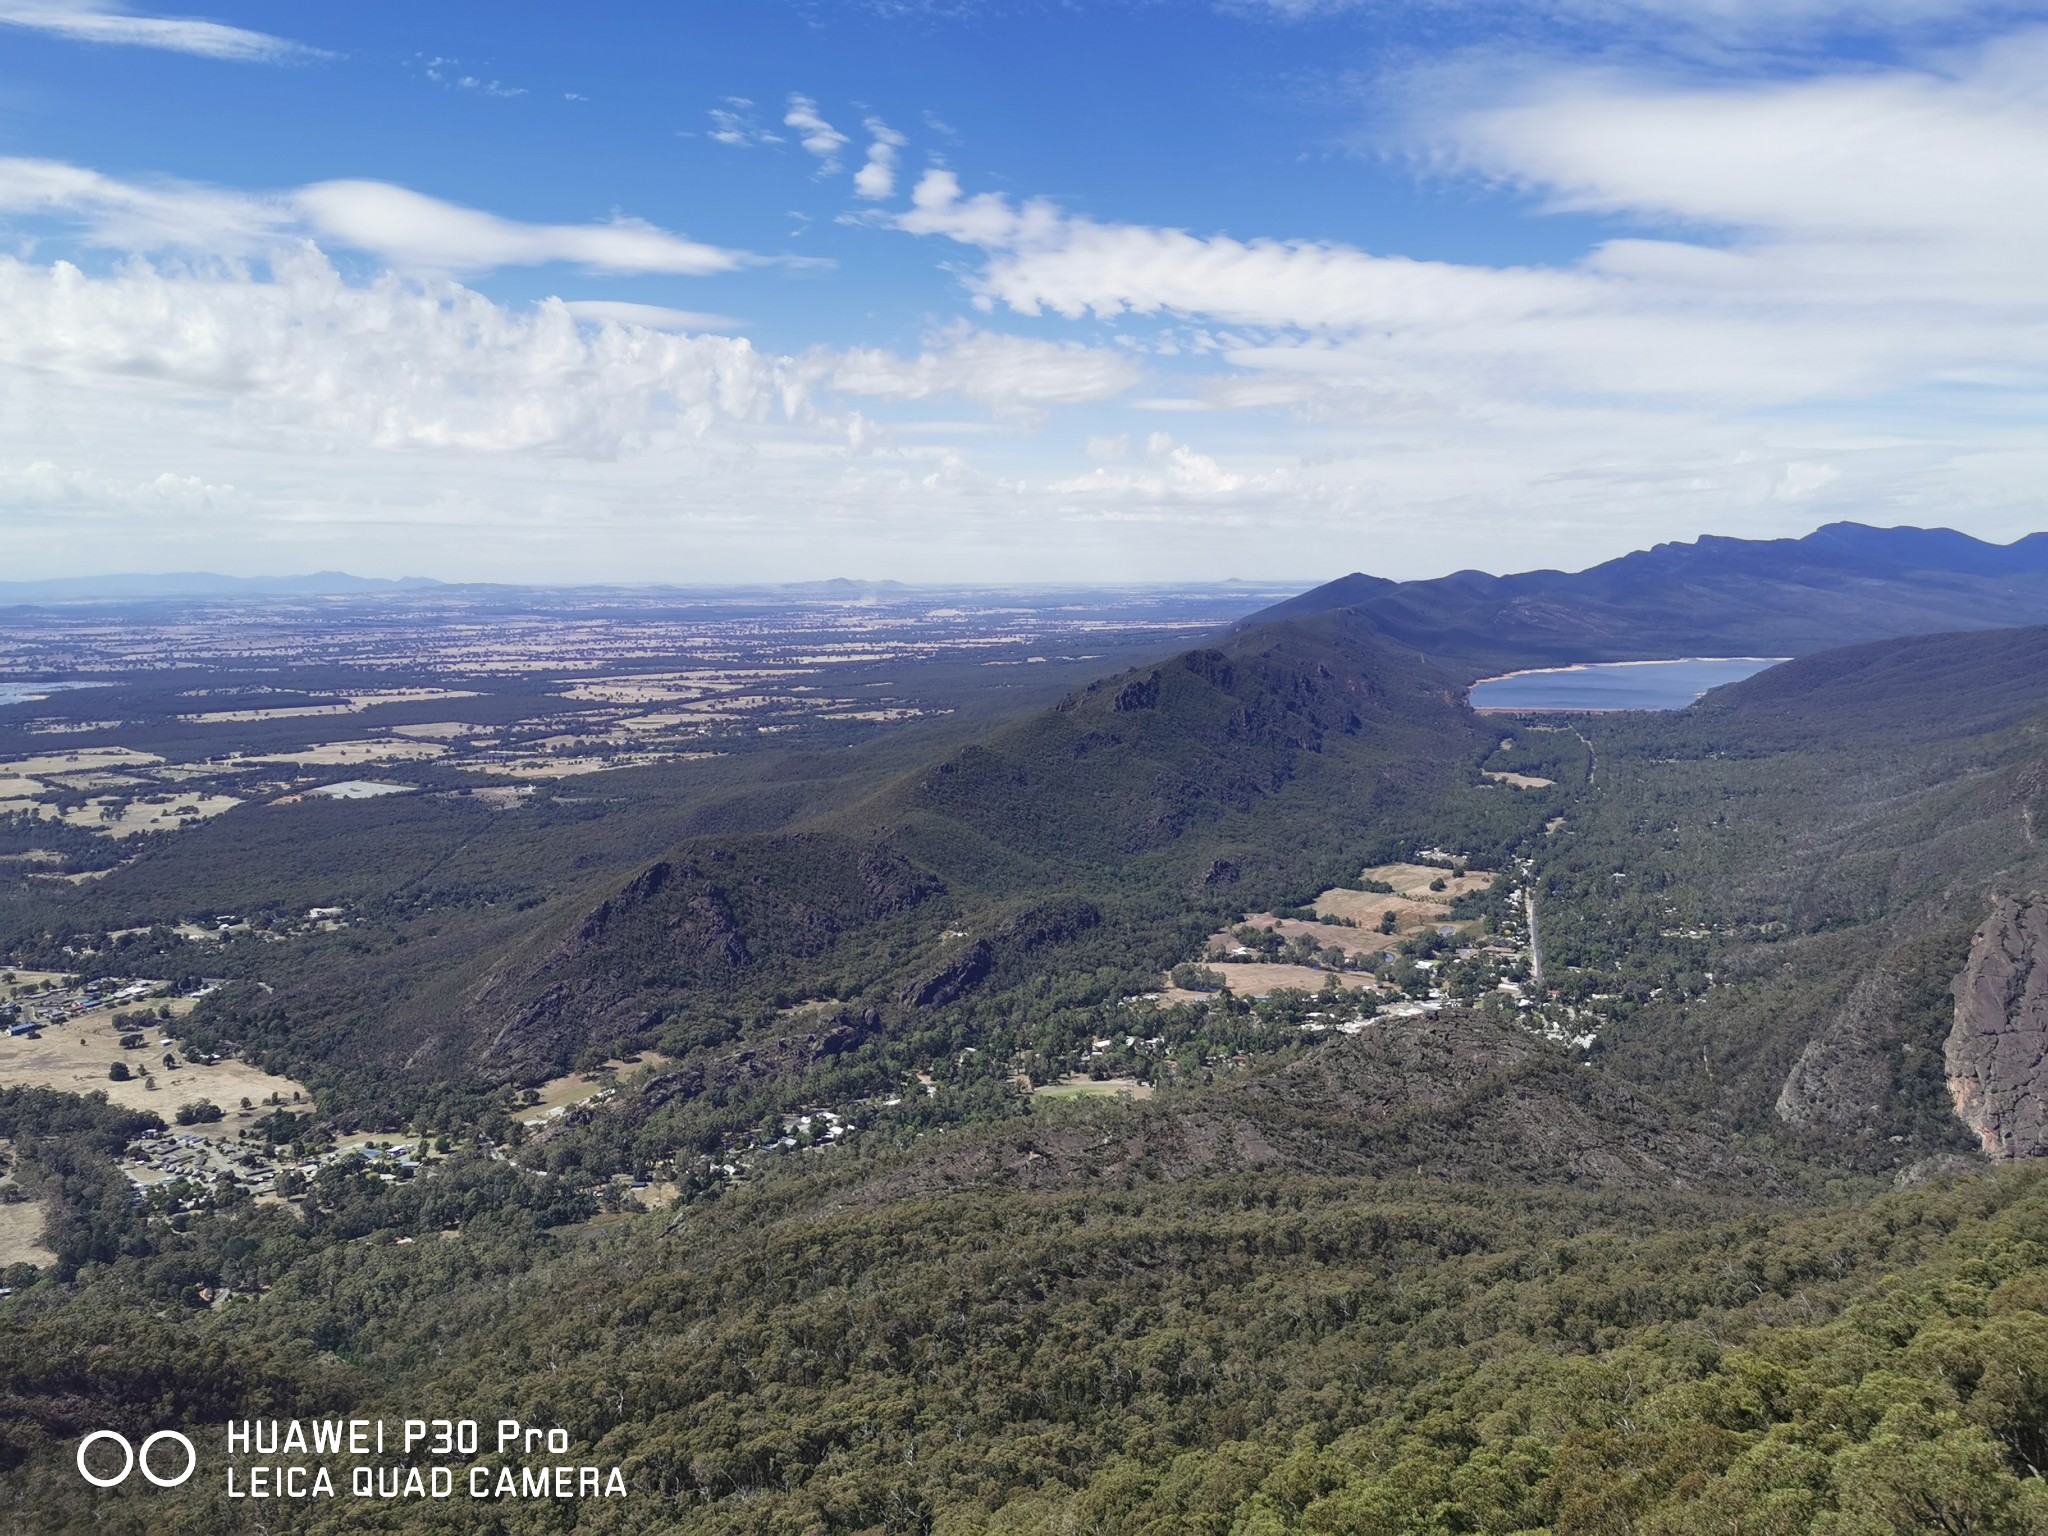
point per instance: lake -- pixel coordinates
(23, 693)
(1617, 684)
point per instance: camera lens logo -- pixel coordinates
(131, 1458)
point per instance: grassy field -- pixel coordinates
(577, 1087)
(1079, 1087)
(74, 1058)
(1520, 780)
(1417, 881)
(21, 1222)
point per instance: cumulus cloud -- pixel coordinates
(1179, 471)
(392, 364)
(42, 484)
(285, 402)
(102, 21)
(397, 224)
(402, 364)
(877, 178)
(814, 133)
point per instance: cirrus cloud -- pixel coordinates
(396, 224)
(102, 21)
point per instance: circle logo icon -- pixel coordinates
(132, 1458)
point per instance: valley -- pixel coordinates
(1225, 1083)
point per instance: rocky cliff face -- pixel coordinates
(1997, 1054)
(1842, 1079)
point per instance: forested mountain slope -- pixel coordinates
(1107, 831)
(1803, 859)
(1716, 597)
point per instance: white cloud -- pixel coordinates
(398, 364)
(217, 413)
(1180, 472)
(1947, 157)
(734, 124)
(393, 364)
(396, 224)
(1877, 235)
(42, 484)
(1014, 376)
(1685, 25)
(102, 21)
(445, 72)
(1829, 302)
(655, 317)
(1834, 307)
(877, 178)
(412, 229)
(136, 217)
(815, 134)
(1045, 259)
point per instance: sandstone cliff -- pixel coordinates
(1997, 1053)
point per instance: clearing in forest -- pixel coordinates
(1351, 921)
(1258, 978)
(21, 1234)
(75, 1057)
(557, 1094)
(1417, 881)
(1075, 1087)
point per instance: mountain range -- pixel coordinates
(1713, 597)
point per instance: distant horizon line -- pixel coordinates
(165, 580)
(337, 583)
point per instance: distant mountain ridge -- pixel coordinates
(1840, 585)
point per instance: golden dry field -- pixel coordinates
(73, 1057)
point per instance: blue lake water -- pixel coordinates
(21, 693)
(1617, 684)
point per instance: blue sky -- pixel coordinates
(1029, 291)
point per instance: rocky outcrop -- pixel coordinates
(1925, 1170)
(957, 975)
(1842, 1079)
(1997, 1053)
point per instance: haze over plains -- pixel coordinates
(995, 292)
